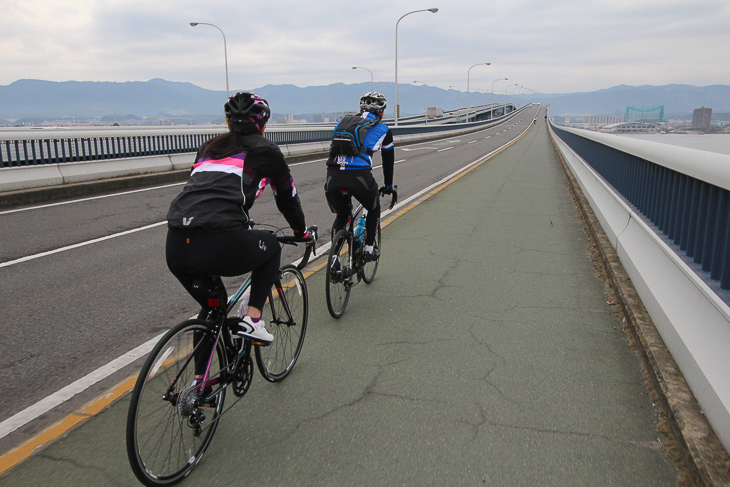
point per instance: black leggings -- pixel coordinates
(192, 256)
(364, 188)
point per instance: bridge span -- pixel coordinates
(495, 345)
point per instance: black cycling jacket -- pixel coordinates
(221, 191)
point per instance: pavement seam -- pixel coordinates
(700, 449)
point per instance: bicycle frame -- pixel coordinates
(245, 346)
(182, 415)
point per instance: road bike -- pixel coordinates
(173, 416)
(347, 264)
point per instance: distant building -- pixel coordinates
(629, 128)
(601, 119)
(595, 122)
(701, 118)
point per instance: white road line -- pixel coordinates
(81, 200)
(89, 199)
(472, 141)
(396, 162)
(32, 412)
(101, 239)
(81, 244)
(441, 150)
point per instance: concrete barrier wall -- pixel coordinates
(692, 320)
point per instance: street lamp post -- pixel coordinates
(516, 100)
(225, 50)
(433, 11)
(426, 86)
(505, 96)
(500, 79)
(372, 83)
(468, 73)
(459, 117)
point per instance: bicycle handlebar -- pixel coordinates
(310, 241)
(393, 192)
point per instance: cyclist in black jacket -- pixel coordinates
(354, 173)
(208, 223)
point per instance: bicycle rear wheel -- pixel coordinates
(168, 429)
(339, 274)
(285, 314)
(369, 268)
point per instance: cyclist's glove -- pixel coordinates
(309, 235)
(392, 190)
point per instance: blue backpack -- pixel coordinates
(348, 135)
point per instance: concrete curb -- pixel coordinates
(698, 446)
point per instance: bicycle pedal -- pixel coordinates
(260, 344)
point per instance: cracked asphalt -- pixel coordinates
(484, 353)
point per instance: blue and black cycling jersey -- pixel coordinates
(378, 138)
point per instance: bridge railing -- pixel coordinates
(38, 146)
(683, 193)
(666, 211)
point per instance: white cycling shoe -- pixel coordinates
(254, 330)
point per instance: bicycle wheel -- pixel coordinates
(339, 274)
(369, 268)
(167, 430)
(286, 313)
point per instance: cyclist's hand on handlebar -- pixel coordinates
(392, 190)
(309, 235)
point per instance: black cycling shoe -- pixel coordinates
(371, 256)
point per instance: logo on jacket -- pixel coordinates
(262, 245)
(187, 221)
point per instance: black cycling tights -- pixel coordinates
(191, 256)
(364, 188)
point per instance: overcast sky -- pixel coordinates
(549, 46)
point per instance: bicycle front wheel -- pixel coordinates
(285, 314)
(369, 268)
(169, 423)
(339, 274)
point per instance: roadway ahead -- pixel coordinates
(71, 312)
(484, 353)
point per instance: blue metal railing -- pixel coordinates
(693, 216)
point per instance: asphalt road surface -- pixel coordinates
(84, 282)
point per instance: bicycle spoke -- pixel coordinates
(166, 431)
(339, 274)
(286, 319)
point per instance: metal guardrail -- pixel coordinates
(61, 146)
(687, 202)
(30, 147)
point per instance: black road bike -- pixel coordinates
(173, 416)
(347, 264)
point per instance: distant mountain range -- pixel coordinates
(158, 97)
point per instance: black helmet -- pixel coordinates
(247, 106)
(373, 102)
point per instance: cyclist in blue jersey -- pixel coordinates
(354, 173)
